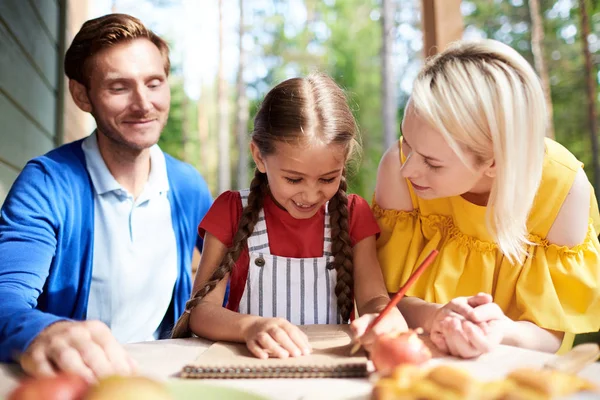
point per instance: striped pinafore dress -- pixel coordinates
(301, 290)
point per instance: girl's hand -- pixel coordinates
(276, 337)
(393, 322)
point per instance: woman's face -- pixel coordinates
(434, 169)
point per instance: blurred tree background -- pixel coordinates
(346, 39)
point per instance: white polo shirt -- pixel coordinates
(135, 250)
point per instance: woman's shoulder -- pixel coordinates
(559, 155)
(559, 169)
(392, 191)
(559, 173)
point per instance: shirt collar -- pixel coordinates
(103, 180)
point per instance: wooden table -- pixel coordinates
(163, 359)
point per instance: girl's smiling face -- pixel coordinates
(302, 178)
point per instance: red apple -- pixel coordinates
(391, 350)
(61, 387)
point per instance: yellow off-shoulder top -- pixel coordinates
(556, 288)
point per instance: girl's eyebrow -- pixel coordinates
(289, 171)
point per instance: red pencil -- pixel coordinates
(398, 296)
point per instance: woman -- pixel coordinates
(512, 213)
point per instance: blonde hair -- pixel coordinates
(484, 97)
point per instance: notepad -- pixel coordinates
(330, 359)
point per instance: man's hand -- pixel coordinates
(85, 348)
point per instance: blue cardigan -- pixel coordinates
(47, 243)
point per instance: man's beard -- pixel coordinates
(119, 139)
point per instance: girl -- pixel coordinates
(295, 247)
(511, 212)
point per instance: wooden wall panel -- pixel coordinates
(20, 140)
(7, 177)
(20, 81)
(21, 21)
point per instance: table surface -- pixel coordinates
(163, 359)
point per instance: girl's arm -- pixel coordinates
(371, 295)
(417, 312)
(264, 337)
(210, 319)
(369, 290)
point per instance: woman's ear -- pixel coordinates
(258, 158)
(80, 96)
(491, 170)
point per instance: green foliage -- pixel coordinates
(352, 59)
(340, 39)
(343, 38)
(171, 139)
(504, 21)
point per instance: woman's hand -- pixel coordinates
(276, 337)
(393, 322)
(460, 307)
(469, 330)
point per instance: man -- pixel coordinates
(97, 236)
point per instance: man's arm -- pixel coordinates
(27, 245)
(44, 343)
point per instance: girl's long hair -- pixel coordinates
(297, 111)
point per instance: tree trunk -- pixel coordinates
(591, 91)
(388, 83)
(224, 160)
(203, 139)
(242, 111)
(537, 48)
(442, 23)
(185, 127)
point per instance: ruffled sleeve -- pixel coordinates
(558, 287)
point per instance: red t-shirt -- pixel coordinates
(288, 236)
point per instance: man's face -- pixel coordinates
(128, 93)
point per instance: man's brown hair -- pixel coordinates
(103, 32)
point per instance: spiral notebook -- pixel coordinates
(330, 359)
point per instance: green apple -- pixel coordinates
(128, 388)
